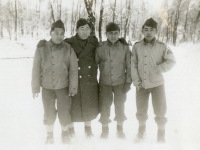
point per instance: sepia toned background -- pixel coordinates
(24, 22)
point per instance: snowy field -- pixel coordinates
(21, 125)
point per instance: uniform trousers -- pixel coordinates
(56, 102)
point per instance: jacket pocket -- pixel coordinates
(156, 77)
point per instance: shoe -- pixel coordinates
(49, 139)
(88, 131)
(141, 133)
(161, 136)
(65, 137)
(71, 132)
(120, 132)
(104, 133)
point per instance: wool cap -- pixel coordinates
(151, 23)
(57, 24)
(112, 27)
(82, 22)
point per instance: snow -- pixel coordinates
(21, 125)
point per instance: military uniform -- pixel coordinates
(114, 66)
(148, 62)
(85, 102)
(55, 70)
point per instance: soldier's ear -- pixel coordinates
(142, 31)
(156, 30)
(51, 33)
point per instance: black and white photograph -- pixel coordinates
(99, 74)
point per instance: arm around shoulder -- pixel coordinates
(73, 73)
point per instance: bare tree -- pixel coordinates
(186, 20)
(101, 20)
(128, 15)
(91, 16)
(72, 20)
(114, 8)
(38, 16)
(1, 21)
(176, 21)
(15, 20)
(196, 21)
(59, 2)
(9, 18)
(52, 12)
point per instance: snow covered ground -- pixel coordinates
(21, 126)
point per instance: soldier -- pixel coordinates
(55, 70)
(150, 58)
(85, 103)
(113, 57)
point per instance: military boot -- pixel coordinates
(65, 137)
(104, 133)
(120, 132)
(49, 139)
(71, 132)
(88, 131)
(141, 132)
(161, 135)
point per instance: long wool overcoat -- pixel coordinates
(85, 102)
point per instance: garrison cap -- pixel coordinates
(82, 22)
(57, 24)
(112, 27)
(150, 23)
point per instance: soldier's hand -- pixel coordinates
(71, 94)
(41, 43)
(35, 95)
(138, 86)
(127, 87)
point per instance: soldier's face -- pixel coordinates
(113, 36)
(84, 31)
(149, 33)
(57, 35)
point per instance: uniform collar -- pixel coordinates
(57, 46)
(152, 42)
(111, 44)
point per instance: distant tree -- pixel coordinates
(114, 8)
(1, 20)
(15, 20)
(101, 20)
(59, 2)
(176, 20)
(128, 17)
(72, 20)
(91, 14)
(186, 21)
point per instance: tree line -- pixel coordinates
(179, 20)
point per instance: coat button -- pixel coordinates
(79, 68)
(88, 75)
(77, 59)
(89, 66)
(80, 76)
